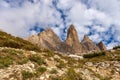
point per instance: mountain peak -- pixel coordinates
(48, 39)
(73, 40)
(101, 45)
(89, 44)
(72, 27)
(49, 30)
(72, 36)
(86, 38)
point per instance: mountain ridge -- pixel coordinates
(70, 45)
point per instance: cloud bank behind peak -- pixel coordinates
(99, 19)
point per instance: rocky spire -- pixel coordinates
(49, 40)
(88, 44)
(86, 38)
(73, 40)
(101, 46)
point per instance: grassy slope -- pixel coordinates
(7, 40)
(46, 59)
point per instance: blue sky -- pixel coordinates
(100, 19)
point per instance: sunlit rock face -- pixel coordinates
(89, 45)
(49, 40)
(73, 40)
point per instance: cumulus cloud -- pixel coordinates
(99, 19)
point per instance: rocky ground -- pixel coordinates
(18, 64)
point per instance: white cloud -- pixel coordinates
(100, 15)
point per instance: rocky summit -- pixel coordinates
(73, 40)
(49, 40)
(89, 45)
(101, 46)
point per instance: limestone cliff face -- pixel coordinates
(73, 40)
(34, 39)
(101, 46)
(88, 44)
(48, 39)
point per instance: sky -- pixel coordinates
(99, 19)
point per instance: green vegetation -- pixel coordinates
(95, 54)
(49, 53)
(12, 51)
(7, 40)
(53, 71)
(61, 65)
(27, 75)
(37, 59)
(5, 61)
(72, 75)
(10, 56)
(116, 47)
(69, 75)
(41, 69)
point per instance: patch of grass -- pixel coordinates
(61, 65)
(53, 71)
(12, 56)
(27, 75)
(71, 75)
(36, 58)
(95, 54)
(40, 71)
(49, 53)
(5, 61)
(7, 40)
(12, 51)
(116, 47)
(71, 62)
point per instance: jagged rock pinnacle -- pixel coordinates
(86, 38)
(101, 45)
(48, 39)
(88, 44)
(73, 40)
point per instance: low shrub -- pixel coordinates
(61, 65)
(53, 71)
(71, 75)
(12, 51)
(95, 54)
(40, 71)
(5, 61)
(36, 58)
(15, 55)
(116, 47)
(27, 75)
(49, 53)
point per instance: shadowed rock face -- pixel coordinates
(101, 46)
(88, 44)
(73, 40)
(48, 39)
